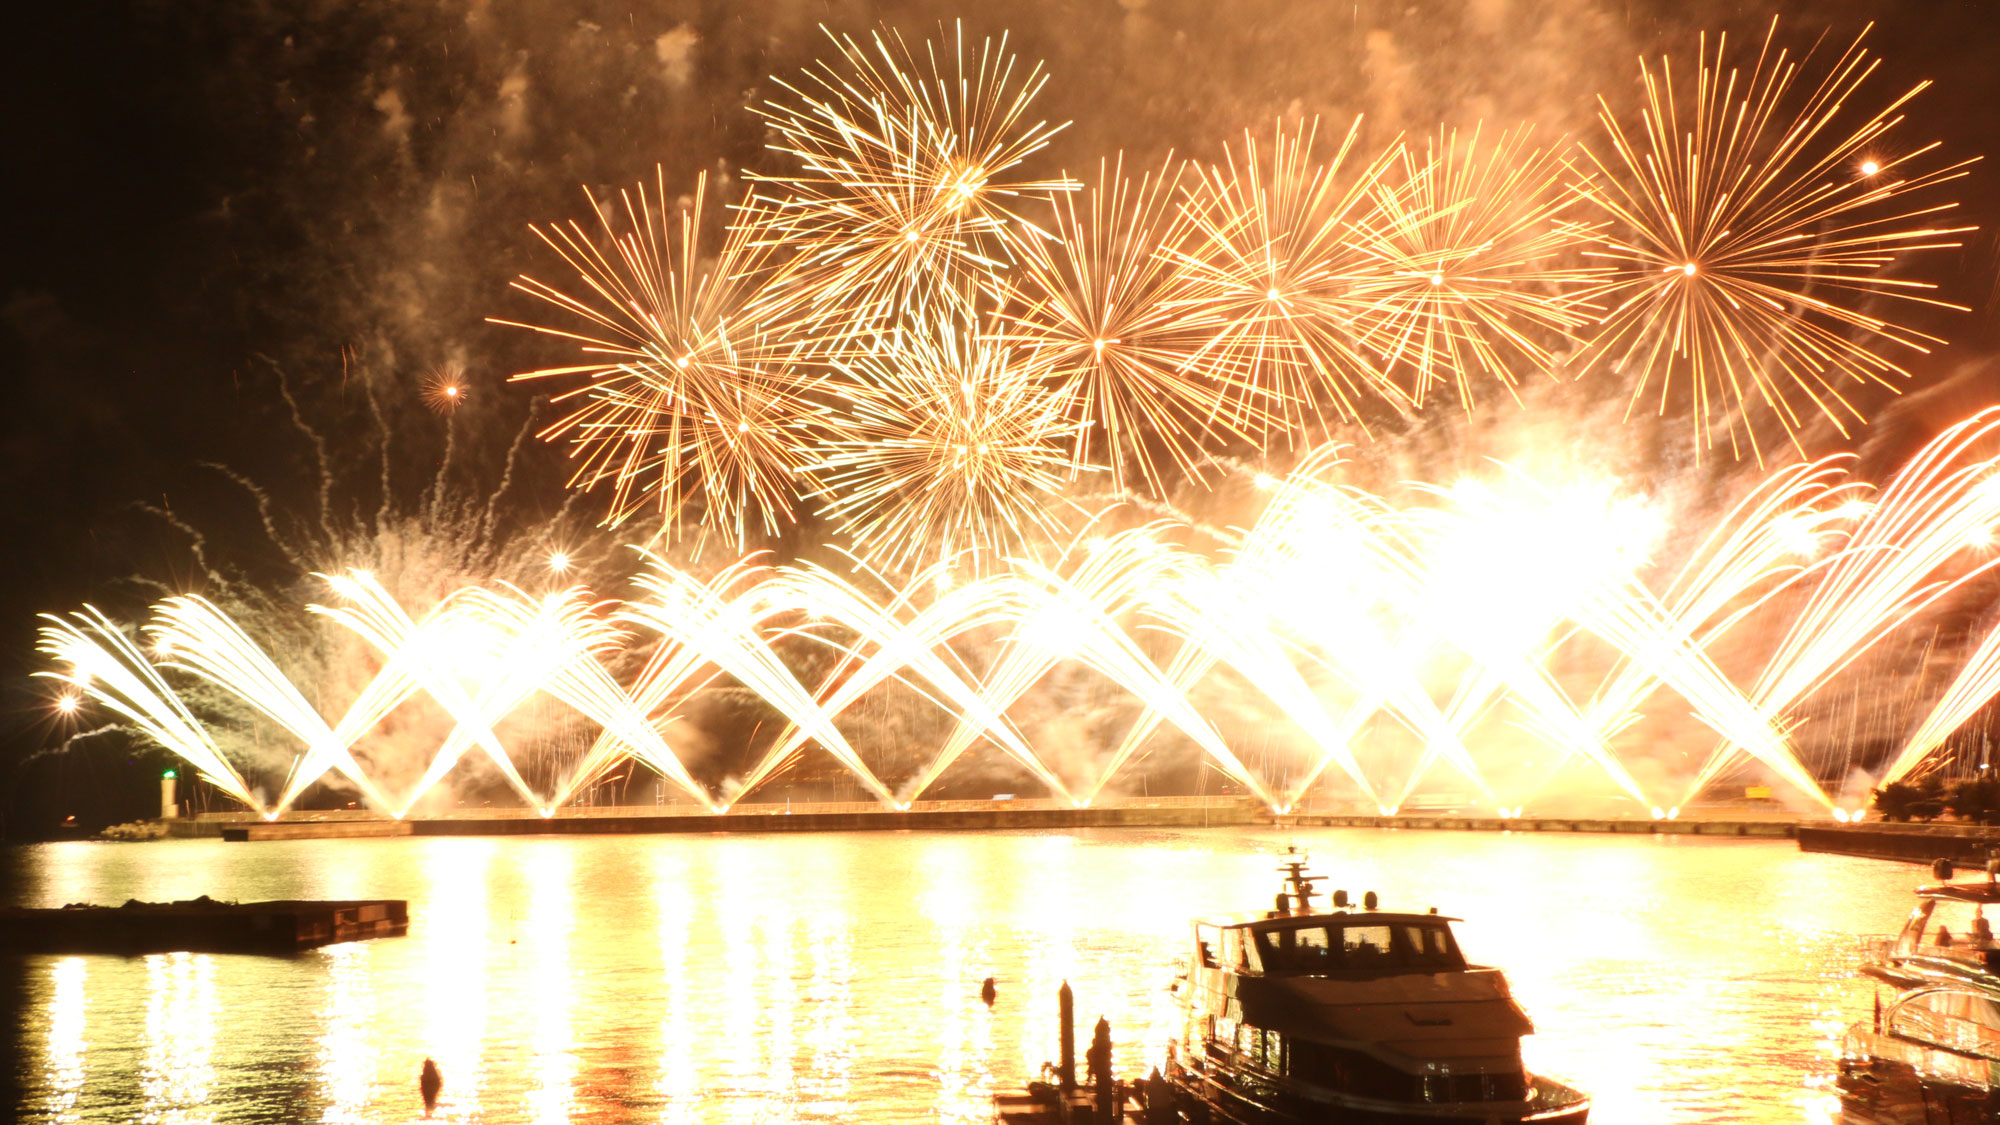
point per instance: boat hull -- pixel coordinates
(1201, 1099)
(1886, 1080)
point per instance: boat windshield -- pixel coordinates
(1946, 928)
(1320, 947)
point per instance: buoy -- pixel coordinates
(987, 992)
(430, 1082)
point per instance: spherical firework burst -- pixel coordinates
(1757, 220)
(944, 443)
(1275, 281)
(444, 388)
(1095, 308)
(1475, 247)
(906, 181)
(689, 398)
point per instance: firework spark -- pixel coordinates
(1751, 238)
(906, 183)
(444, 389)
(1475, 252)
(1275, 279)
(946, 444)
(689, 400)
(1096, 309)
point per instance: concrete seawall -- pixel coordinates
(1782, 829)
(954, 815)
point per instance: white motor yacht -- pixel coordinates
(1354, 1014)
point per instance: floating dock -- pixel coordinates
(1968, 845)
(201, 926)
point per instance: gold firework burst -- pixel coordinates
(1095, 310)
(444, 388)
(689, 399)
(906, 181)
(1757, 222)
(944, 443)
(1273, 275)
(1477, 261)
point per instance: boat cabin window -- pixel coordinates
(1235, 957)
(1960, 1021)
(1948, 928)
(1358, 945)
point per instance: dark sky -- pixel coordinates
(202, 195)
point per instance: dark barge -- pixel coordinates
(200, 925)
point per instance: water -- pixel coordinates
(745, 978)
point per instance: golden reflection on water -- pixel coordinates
(830, 1030)
(177, 1070)
(454, 933)
(679, 1083)
(835, 978)
(962, 1026)
(547, 873)
(346, 1046)
(62, 1067)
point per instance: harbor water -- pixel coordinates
(836, 977)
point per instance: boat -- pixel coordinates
(1352, 1015)
(1931, 1053)
(1947, 936)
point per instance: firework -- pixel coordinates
(1096, 309)
(932, 346)
(901, 650)
(1757, 222)
(704, 620)
(1476, 274)
(689, 400)
(1896, 561)
(193, 635)
(906, 182)
(945, 443)
(99, 663)
(444, 389)
(1975, 685)
(1273, 277)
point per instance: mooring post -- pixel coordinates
(1066, 1007)
(1100, 1073)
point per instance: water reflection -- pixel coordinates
(63, 1066)
(961, 1025)
(679, 1084)
(454, 933)
(546, 869)
(177, 1071)
(346, 1049)
(836, 978)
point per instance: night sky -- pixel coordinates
(204, 196)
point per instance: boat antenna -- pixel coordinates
(1299, 884)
